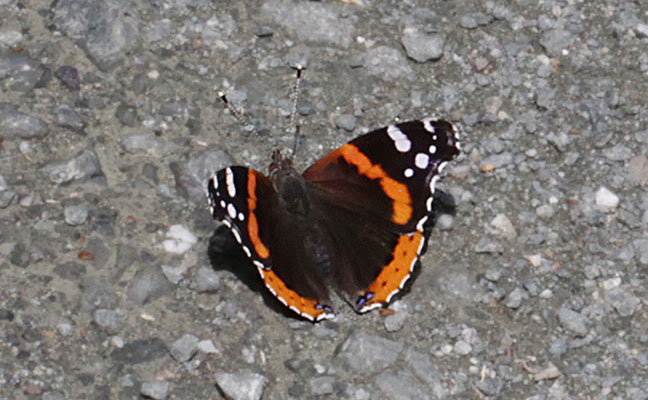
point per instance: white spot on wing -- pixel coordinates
(427, 124)
(419, 225)
(428, 204)
(229, 180)
(402, 143)
(227, 223)
(409, 172)
(231, 210)
(214, 179)
(422, 160)
(223, 204)
(237, 235)
(241, 217)
(433, 182)
(433, 149)
(247, 251)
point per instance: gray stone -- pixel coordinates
(140, 351)
(396, 321)
(427, 371)
(422, 47)
(184, 348)
(638, 170)
(468, 22)
(68, 118)
(322, 385)
(387, 63)
(488, 245)
(20, 72)
(618, 152)
(502, 226)
(623, 301)
(368, 354)
(242, 385)
(514, 299)
(75, 214)
(496, 161)
(17, 124)
(173, 274)
(69, 76)
(572, 321)
(106, 30)
(155, 390)
(96, 293)
(490, 387)
(126, 114)
(70, 270)
(311, 20)
(492, 104)
(346, 122)
(84, 165)
(556, 40)
(110, 320)
(145, 142)
(207, 280)
(400, 385)
(641, 247)
(149, 283)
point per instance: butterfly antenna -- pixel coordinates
(293, 113)
(240, 116)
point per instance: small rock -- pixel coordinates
(638, 170)
(109, 320)
(207, 347)
(400, 385)
(572, 321)
(503, 226)
(490, 387)
(551, 372)
(387, 63)
(84, 165)
(641, 30)
(180, 239)
(155, 390)
(624, 302)
(76, 214)
(173, 274)
(207, 280)
(126, 114)
(462, 348)
(322, 385)
(68, 118)
(346, 122)
(263, 31)
(140, 351)
(184, 348)
(422, 47)
(69, 76)
(97, 293)
(16, 124)
(242, 385)
(487, 245)
(606, 201)
(514, 299)
(149, 283)
(368, 354)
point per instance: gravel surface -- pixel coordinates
(117, 284)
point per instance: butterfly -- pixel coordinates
(352, 222)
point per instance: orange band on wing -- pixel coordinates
(301, 305)
(393, 276)
(253, 224)
(398, 192)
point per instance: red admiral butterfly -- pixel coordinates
(352, 221)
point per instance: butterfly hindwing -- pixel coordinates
(246, 201)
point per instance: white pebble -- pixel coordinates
(606, 201)
(180, 239)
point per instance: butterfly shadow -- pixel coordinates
(225, 254)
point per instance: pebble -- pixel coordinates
(149, 283)
(109, 320)
(184, 348)
(606, 201)
(179, 239)
(572, 321)
(155, 390)
(623, 301)
(207, 280)
(387, 63)
(367, 354)
(503, 226)
(16, 124)
(76, 214)
(207, 347)
(638, 170)
(426, 370)
(67, 117)
(444, 222)
(82, 166)
(400, 385)
(242, 385)
(140, 351)
(422, 47)
(69, 76)
(514, 299)
(346, 122)
(322, 385)
(462, 348)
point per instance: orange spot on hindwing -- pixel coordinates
(393, 276)
(308, 308)
(396, 191)
(253, 224)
